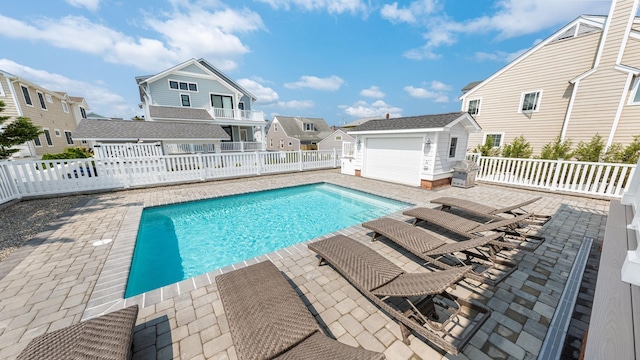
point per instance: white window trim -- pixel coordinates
(183, 81)
(634, 91)
(70, 136)
(478, 108)
(181, 104)
(25, 99)
(539, 101)
(449, 147)
(57, 132)
(44, 100)
(45, 137)
(484, 137)
(65, 106)
(48, 98)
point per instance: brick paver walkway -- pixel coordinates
(66, 278)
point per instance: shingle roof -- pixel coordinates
(471, 85)
(360, 121)
(146, 130)
(292, 127)
(412, 122)
(179, 113)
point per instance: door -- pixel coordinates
(222, 105)
(396, 159)
(243, 134)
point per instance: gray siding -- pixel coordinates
(275, 134)
(163, 95)
(193, 68)
(330, 142)
(443, 162)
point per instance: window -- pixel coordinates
(474, 107)
(27, 97)
(67, 135)
(57, 132)
(83, 112)
(497, 139)
(48, 137)
(241, 105)
(290, 143)
(275, 127)
(453, 144)
(307, 126)
(634, 99)
(281, 143)
(43, 105)
(271, 142)
(183, 85)
(84, 141)
(36, 141)
(65, 107)
(49, 99)
(185, 99)
(530, 101)
(338, 138)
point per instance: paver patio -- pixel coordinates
(65, 278)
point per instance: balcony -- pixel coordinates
(236, 114)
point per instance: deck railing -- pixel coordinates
(173, 149)
(103, 151)
(47, 177)
(600, 179)
(631, 196)
(237, 114)
(241, 146)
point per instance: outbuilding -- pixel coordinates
(416, 151)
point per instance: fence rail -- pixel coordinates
(48, 177)
(103, 151)
(603, 179)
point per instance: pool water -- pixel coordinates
(177, 242)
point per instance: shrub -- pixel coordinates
(557, 149)
(519, 148)
(487, 148)
(590, 151)
(69, 153)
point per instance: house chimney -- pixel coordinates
(387, 117)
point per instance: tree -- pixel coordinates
(487, 149)
(519, 148)
(18, 132)
(590, 151)
(557, 149)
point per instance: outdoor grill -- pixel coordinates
(464, 174)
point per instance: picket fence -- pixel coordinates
(48, 177)
(600, 179)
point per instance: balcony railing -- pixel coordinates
(241, 146)
(236, 114)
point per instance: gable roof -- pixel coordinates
(291, 126)
(342, 132)
(470, 86)
(127, 130)
(432, 122)
(178, 113)
(360, 121)
(202, 63)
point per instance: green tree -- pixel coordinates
(590, 151)
(557, 149)
(519, 148)
(487, 149)
(19, 131)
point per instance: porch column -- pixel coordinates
(263, 138)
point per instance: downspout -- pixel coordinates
(567, 117)
(616, 120)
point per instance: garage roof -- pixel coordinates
(436, 121)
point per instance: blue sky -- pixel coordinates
(335, 59)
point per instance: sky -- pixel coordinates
(339, 60)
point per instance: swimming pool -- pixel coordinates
(177, 242)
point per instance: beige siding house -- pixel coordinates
(56, 113)
(580, 81)
(288, 133)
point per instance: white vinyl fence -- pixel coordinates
(48, 177)
(602, 179)
(104, 151)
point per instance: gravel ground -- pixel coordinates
(22, 221)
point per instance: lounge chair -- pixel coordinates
(471, 229)
(492, 212)
(416, 300)
(430, 248)
(267, 319)
(106, 337)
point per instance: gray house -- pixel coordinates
(196, 92)
(334, 140)
(296, 133)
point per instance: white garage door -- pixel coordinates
(393, 159)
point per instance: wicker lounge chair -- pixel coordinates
(267, 319)
(107, 337)
(471, 229)
(416, 300)
(430, 248)
(492, 212)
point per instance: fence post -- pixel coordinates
(11, 181)
(335, 158)
(128, 176)
(203, 174)
(300, 159)
(258, 163)
(556, 175)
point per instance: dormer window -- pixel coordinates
(307, 127)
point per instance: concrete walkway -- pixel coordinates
(65, 278)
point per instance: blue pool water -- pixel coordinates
(180, 241)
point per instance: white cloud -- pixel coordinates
(331, 6)
(265, 95)
(331, 83)
(100, 99)
(410, 14)
(92, 5)
(180, 36)
(296, 104)
(378, 108)
(436, 95)
(372, 92)
(440, 86)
